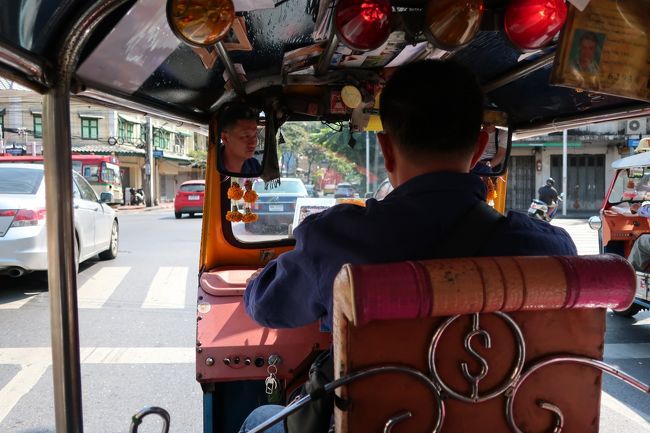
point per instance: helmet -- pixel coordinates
(550, 181)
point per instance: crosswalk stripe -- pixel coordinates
(14, 305)
(20, 385)
(26, 356)
(627, 351)
(96, 291)
(167, 290)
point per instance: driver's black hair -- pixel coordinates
(432, 108)
(231, 113)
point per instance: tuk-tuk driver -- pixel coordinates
(431, 112)
(239, 140)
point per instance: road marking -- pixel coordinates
(19, 385)
(96, 291)
(612, 403)
(627, 351)
(642, 322)
(14, 305)
(167, 290)
(36, 360)
(102, 355)
(138, 355)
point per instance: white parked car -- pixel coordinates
(23, 238)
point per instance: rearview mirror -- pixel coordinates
(240, 138)
(496, 131)
(106, 197)
(636, 172)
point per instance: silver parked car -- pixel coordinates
(23, 239)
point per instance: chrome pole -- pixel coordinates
(330, 48)
(61, 243)
(521, 71)
(232, 71)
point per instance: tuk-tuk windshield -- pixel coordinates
(631, 185)
(321, 164)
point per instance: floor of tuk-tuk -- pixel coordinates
(137, 325)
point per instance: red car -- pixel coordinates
(189, 198)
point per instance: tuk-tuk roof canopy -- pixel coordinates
(639, 160)
(134, 59)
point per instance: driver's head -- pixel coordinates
(550, 181)
(239, 132)
(432, 110)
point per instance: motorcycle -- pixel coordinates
(137, 196)
(541, 210)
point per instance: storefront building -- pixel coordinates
(103, 131)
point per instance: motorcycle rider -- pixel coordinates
(548, 194)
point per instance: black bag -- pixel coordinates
(315, 416)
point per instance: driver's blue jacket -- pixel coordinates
(296, 288)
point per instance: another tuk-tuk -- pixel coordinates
(624, 217)
(312, 70)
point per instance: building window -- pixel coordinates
(180, 142)
(2, 125)
(38, 126)
(89, 128)
(161, 138)
(125, 130)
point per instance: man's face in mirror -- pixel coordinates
(587, 52)
(240, 142)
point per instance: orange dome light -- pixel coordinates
(450, 24)
(200, 22)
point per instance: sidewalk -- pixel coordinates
(143, 208)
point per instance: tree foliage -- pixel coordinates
(317, 147)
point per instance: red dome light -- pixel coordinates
(363, 25)
(531, 24)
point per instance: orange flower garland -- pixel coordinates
(234, 215)
(236, 193)
(250, 196)
(249, 217)
(492, 190)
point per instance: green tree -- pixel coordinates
(199, 157)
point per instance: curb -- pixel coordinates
(143, 208)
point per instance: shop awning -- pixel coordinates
(91, 114)
(545, 144)
(129, 118)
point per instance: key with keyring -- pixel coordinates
(271, 383)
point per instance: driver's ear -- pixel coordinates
(387, 150)
(479, 149)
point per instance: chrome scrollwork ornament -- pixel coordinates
(475, 379)
(559, 417)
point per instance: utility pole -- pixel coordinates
(149, 164)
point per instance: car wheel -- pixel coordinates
(111, 252)
(191, 214)
(178, 215)
(629, 311)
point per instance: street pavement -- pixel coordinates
(585, 238)
(137, 331)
